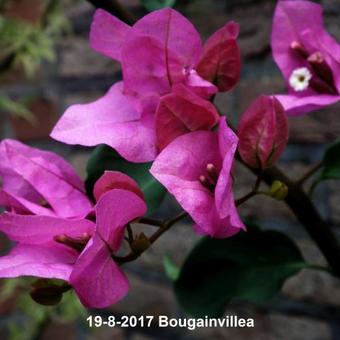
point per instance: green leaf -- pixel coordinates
(105, 158)
(152, 5)
(171, 270)
(250, 266)
(16, 109)
(331, 168)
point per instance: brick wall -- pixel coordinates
(309, 307)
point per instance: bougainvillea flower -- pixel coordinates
(37, 253)
(263, 132)
(159, 53)
(196, 169)
(96, 278)
(39, 182)
(307, 56)
(77, 251)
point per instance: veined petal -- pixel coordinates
(201, 87)
(180, 112)
(299, 105)
(30, 229)
(220, 228)
(179, 166)
(223, 194)
(20, 205)
(50, 261)
(108, 34)
(110, 120)
(154, 72)
(96, 278)
(220, 62)
(114, 210)
(51, 176)
(175, 32)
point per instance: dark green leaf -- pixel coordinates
(105, 158)
(152, 5)
(331, 169)
(249, 266)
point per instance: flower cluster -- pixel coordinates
(162, 111)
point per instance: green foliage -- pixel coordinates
(30, 44)
(250, 266)
(32, 315)
(16, 108)
(331, 165)
(105, 158)
(152, 5)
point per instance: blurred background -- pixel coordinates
(46, 65)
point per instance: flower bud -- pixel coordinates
(47, 293)
(263, 133)
(278, 190)
(140, 244)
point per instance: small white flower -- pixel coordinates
(300, 78)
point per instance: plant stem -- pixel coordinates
(115, 8)
(310, 173)
(151, 221)
(166, 225)
(252, 193)
(130, 233)
(245, 198)
(309, 217)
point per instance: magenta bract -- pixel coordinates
(196, 169)
(78, 251)
(220, 62)
(96, 278)
(115, 180)
(158, 54)
(180, 112)
(263, 132)
(40, 182)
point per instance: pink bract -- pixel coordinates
(263, 132)
(196, 169)
(77, 251)
(97, 279)
(40, 182)
(158, 54)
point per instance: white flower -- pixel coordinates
(300, 78)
